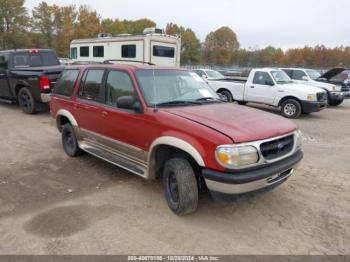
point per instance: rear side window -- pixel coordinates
(74, 53)
(65, 85)
(298, 75)
(99, 51)
(261, 78)
(118, 84)
(128, 51)
(163, 51)
(84, 51)
(91, 87)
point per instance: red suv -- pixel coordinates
(167, 123)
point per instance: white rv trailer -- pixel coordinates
(152, 47)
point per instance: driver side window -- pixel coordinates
(262, 78)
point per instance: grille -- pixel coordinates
(345, 88)
(277, 148)
(321, 97)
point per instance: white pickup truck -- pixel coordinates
(272, 87)
(311, 77)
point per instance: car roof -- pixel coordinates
(132, 67)
(24, 50)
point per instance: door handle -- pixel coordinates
(104, 114)
(252, 86)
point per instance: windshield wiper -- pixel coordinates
(178, 102)
(209, 99)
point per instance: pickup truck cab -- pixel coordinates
(335, 95)
(27, 77)
(273, 87)
(168, 124)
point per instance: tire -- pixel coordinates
(26, 101)
(291, 108)
(242, 103)
(70, 142)
(180, 186)
(335, 102)
(227, 95)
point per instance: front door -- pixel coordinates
(261, 90)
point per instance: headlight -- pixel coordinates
(232, 156)
(334, 88)
(298, 139)
(311, 97)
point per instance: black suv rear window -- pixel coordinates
(65, 85)
(27, 59)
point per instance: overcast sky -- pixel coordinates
(281, 23)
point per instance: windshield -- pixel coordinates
(313, 74)
(164, 87)
(214, 74)
(280, 77)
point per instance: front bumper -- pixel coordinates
(310, 106)
(230, 185)
(336, 96)
(45, 98)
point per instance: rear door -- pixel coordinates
(260, 90)
(4, 83)
(87, 108)
(297, 76)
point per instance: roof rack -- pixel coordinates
(130, 61)
(85, 63)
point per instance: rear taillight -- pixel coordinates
(44, 83)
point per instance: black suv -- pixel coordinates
(27, 77)
(338, 76)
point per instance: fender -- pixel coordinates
(65, 113)
(174, 142)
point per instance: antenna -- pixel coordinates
(154, 91)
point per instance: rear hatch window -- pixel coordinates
(35, 59)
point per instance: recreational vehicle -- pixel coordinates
(153, 47)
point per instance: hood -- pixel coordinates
(305, 87)
(240, 123)
(332, 73)
(326, 86)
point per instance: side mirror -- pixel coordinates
(269, 83)
(129, 103)
(305, 78)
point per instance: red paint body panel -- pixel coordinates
(204, 126)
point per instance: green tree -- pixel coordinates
(13, 24)
(65, 19)
(220, 46)
(190, 44)
(43, 20)
(88, 24)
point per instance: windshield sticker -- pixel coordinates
(197, 77)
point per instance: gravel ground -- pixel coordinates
(52, 204)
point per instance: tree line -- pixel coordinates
(53, 26)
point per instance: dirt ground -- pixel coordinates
(52, 204)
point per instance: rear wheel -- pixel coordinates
(26, 101)
(180, 186)
(70, 142)
(291, 108)
(227, 95)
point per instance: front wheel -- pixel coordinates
(70, 142)
(226, 95)
(26, 101)
(180, 186)
(291, 108)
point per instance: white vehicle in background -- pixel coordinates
(209, 74)
(153, 47)
(273, 87)
(310, 77)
